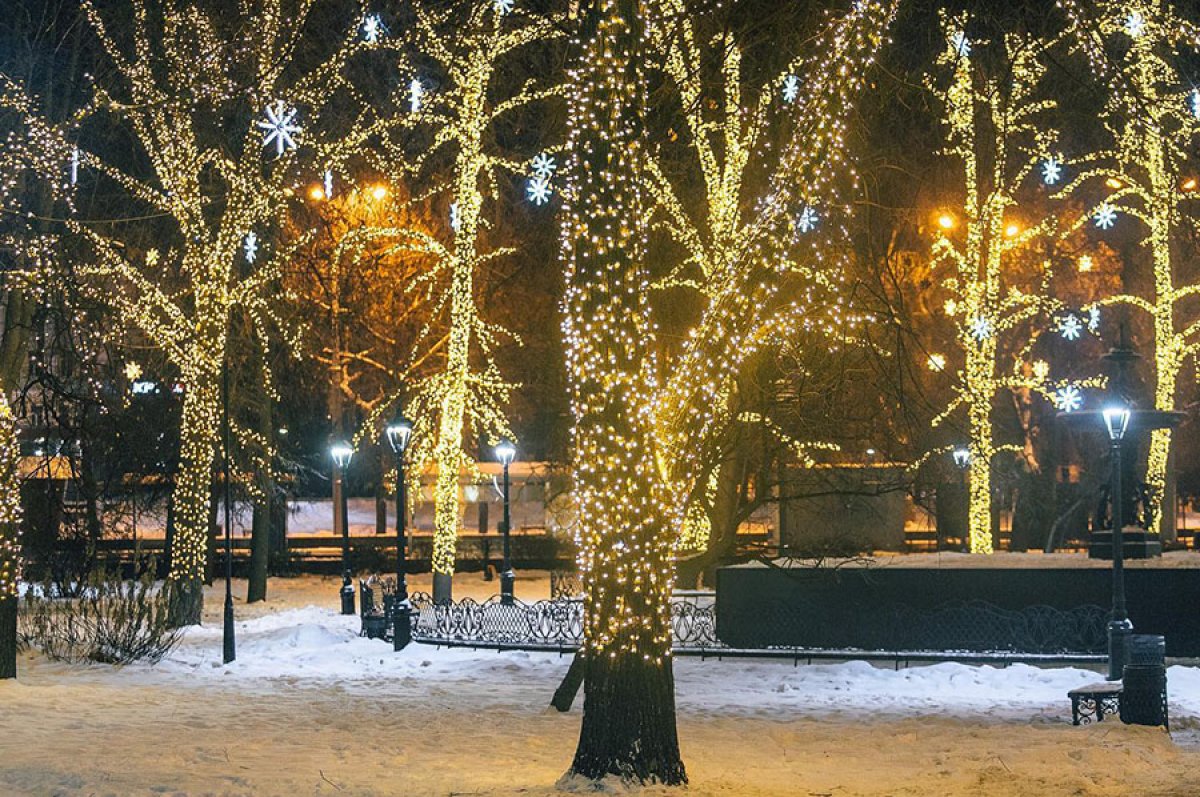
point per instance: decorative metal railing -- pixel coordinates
(966, 631)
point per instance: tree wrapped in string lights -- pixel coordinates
(471, 44)
(763, 271)
(628, 521)
(221, 123)
(1146, 171)
(994, 119)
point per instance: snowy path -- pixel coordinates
(311, 708)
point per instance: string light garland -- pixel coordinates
(469, 44)
(991, 314)
(10, 502)
(1150, 118)
(182, 299)
(762, 271)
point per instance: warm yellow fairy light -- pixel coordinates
(1085, 263)
(464, 116)
(733, 243)
(10, 502)
(1189, 185)
(937, 362)
(212, 197)
(996, 157)
(1151, 118)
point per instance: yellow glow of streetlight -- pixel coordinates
(316, 193)
(1114, 183)
(379, 191)
(1012, 230)
(947, 221)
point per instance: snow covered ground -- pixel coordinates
(311, 708)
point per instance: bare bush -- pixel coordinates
(112, 620)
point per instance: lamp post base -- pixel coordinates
(401, 626)
(347, 593)
(507, 580)
(1119, 633)
(229, 648)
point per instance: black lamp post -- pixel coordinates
(398, 434)
(1116, 421)
(229, 646)
(341, 453)
(962, 461)
(506, 452)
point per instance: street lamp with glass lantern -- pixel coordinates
(1116, 422)
(341, 453)
(506, 452)
(962, 460)
(399, 432)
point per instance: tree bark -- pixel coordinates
(564, 695)
(263, 514)
(629, 721)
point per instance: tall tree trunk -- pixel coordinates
(628, 727)
(10, 543)
(193, 486)
(8, 636)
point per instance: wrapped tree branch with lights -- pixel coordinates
(761, 271)
(994, 129)
(1147, 172)
(217, 120)
(471, 44)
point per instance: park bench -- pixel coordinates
(1140, 697)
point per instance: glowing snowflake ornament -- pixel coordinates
(1106, 216)
(455, 222)
(538, 190)
(502, 7)
(250, 247)
(543, 166)
(1068, 398)
(981, 328)
(327, 183)
(937, 362)
(1195, 103)
(372, 28)
(807, 220)
(415, 92)
(75, 166)
(1070, 327)
(279, 126)
(791, 88)
(1051, 171)
(962, 45)
(1135, 24)
(1093, 319)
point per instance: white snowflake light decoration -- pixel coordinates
(502, 6)
(1093, 319)
(807, 220)
(1106, 216)
(279, 126)
(1070, 327)
(538, 190)
(250, 247)
(1041, 370)
(75, 166)
(1051, 171)
(327, 183)
(962, 45)
(454, 220)
(1068, 398)
(1195, 103)
(791, 88)
(1135, 24)
(981, 328)
(372, 28)
(543, 166)
(415, 92)
(937, 362)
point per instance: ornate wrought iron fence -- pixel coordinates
(966, 630)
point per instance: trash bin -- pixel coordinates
(1144, 695)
